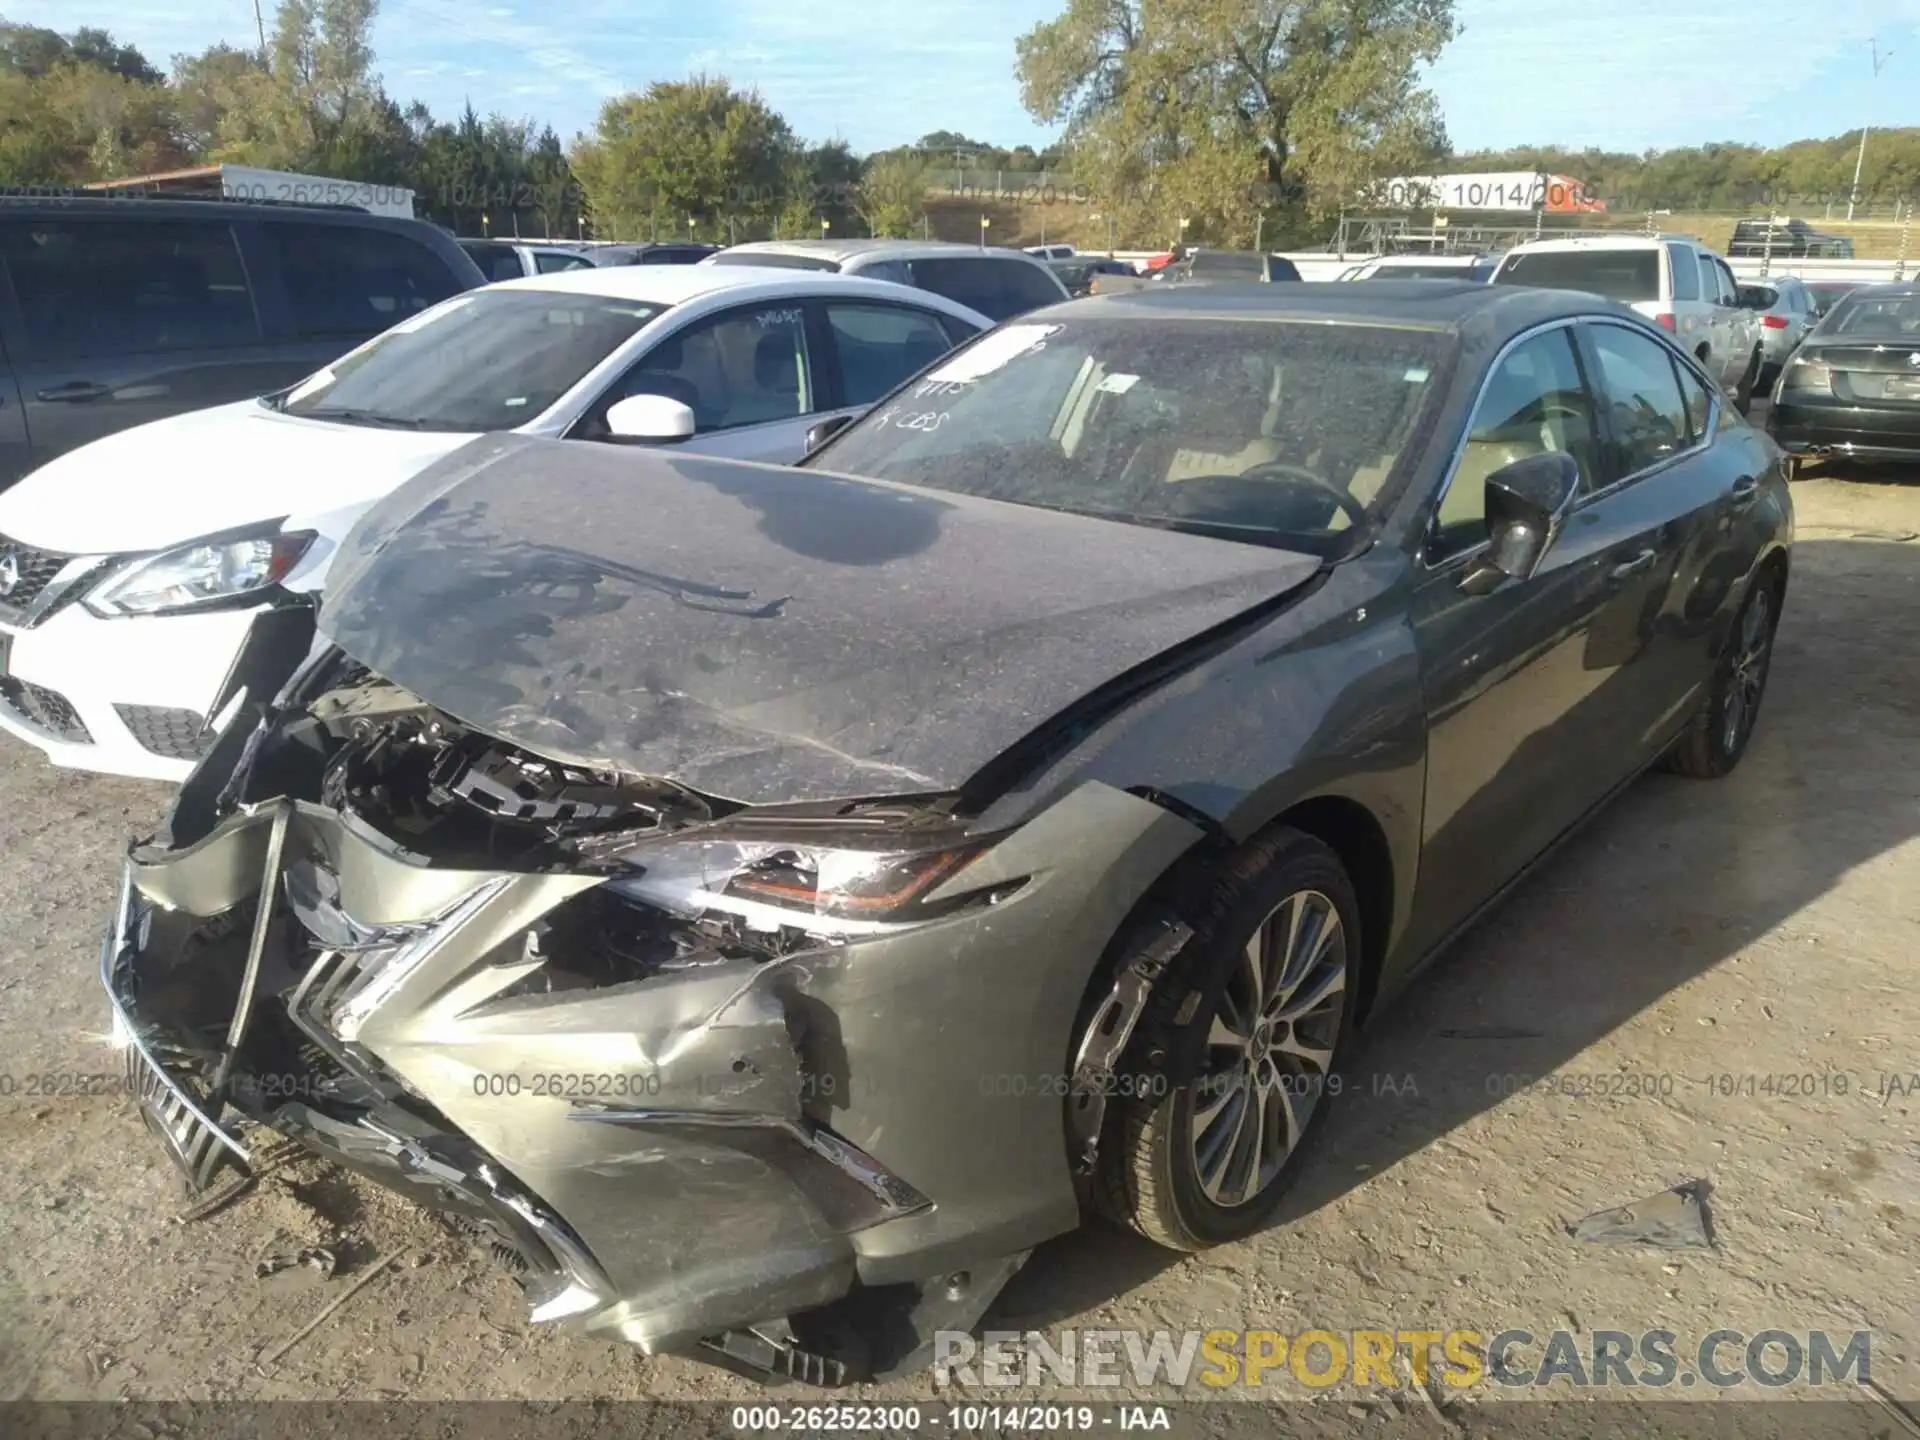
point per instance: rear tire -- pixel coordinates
(1232, 1065)
(1717, 736)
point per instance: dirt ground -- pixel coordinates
(1764, 926)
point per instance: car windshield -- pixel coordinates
(1894, 316)
(1270, 431)
(1628, 276)
(486, 360)
(1829, 294)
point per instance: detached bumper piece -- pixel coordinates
(45, 710)
(174, 734)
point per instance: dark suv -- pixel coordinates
(114, 311)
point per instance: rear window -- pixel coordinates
(1893, 316)
(1628, 276)
(1759, 297)
(1421, 272)
(496, 262)
(1226, 265)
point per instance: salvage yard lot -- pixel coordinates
(1747, 948)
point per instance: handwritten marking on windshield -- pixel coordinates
(923, 420)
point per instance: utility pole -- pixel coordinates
(1861, 160)
(260, 25)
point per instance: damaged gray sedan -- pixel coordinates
(763, 904)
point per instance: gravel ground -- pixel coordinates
(1764, 926)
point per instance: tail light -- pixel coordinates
(1666, 321)
(1774, 322)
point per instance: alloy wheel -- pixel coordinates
(1747, 672)
(1269, 1048)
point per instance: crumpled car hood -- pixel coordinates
(755, 632)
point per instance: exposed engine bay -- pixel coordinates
(546, 1001)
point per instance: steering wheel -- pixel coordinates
(1297, 474)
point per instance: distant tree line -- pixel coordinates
(1217, 120)
(1725, 177)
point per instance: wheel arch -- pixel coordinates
(1356, 836)
(1345, 825)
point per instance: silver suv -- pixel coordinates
(1673, 280)
(996, 282)
(1787, 310)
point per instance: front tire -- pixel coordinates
(1232, 1065)
(1718, 735)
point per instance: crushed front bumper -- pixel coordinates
(750, 1160)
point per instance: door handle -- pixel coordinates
(1627, 569)
(75, 390)
(1743, 490)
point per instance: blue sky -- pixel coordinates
(1626, 74)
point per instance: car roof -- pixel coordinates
(852, 248)
(1421, 304)
(676, 284)
(139, 208)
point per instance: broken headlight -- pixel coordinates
(779, 882)
(202, 572)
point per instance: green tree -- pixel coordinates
(695, 147)
(1218, 110)
(80, 108)
(893, 193)
(314, 104)
(34, 52)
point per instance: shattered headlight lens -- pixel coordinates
(203, 572)
(776, 882)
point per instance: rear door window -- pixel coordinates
(91, 288)
(1629, 276)
(879, 346)
(1642, 388)
(343, 281)
(549, 262)
(496, 262)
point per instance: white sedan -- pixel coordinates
(132, 568)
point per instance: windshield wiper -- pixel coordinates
(349, 416)
(1313, 542)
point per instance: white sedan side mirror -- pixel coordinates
(657, 418)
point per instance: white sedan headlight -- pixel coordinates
(201, 574)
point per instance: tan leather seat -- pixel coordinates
(1188, 463)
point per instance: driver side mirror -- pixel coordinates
(1527, 502)
(650, 419)
(825, 430)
